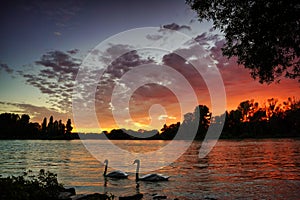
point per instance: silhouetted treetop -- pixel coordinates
(262, 34)
(69, 127)
(248, 120)
(12, 126)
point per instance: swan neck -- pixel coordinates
(105, 169)
(137, 171)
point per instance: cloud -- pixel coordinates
(6, 68)
(112, 76)
(37, 113)
(60, 62)
(201, 39)
(176, 27)
(141, 99)
(190, 73)
(237, 80)
(192, 21)
(56, 33)
(154, 37)
(54, 75)
(113, 67)
(147, 95)
(213, 44)
(73, 51)
(150, 94)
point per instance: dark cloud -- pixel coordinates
(112, 52)
(112, 75)
(186, 69)
(73, 51)
(222, 61)
(55, 72)
(213, 44)
(207, 39)
(54, 75)
(47, 90)
(124, 63)
(192, 21)
(117, 65)
(116, 69)
(60, 62)
(57, 33)
(154, 37)
(48, 72)
(201, 39)
(36, 112)
(236, 79)
(6, 68)
(176, 27)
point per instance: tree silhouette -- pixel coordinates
(24, 119)
(69, 127)
(203, 117)
(169, 132)
(61, 128)
(272, 107)
(55, 128)
(13, 126)
(249, 120)
(247, 108)
(263, 34)
(44, 125)
(50, 126)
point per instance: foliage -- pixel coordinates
(249, 120)
(30, 187)
(263, 34)
(69, 127)
(13, 126)
(168, 131)
(36, 187)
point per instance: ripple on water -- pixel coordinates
(250, 169)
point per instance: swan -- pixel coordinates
(114, 174)
(148, 177)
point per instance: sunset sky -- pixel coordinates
(43, 44)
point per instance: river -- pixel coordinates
(246, 169)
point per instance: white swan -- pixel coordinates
(114, 174)
(148, 177)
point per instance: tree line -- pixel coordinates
(272, 119)
(13, 126)
(248, 120)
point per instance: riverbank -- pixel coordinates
(45, 186)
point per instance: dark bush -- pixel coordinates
(30, 187)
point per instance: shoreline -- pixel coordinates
(145, 139)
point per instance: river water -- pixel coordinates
(246, 169)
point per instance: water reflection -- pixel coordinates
(254, 160)
(252, 169)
